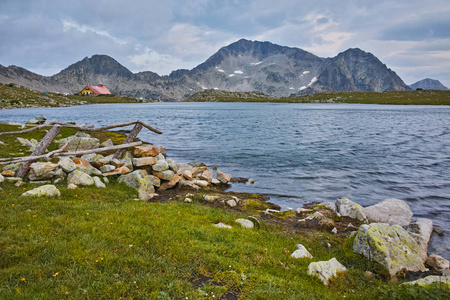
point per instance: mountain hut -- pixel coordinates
(95, 90)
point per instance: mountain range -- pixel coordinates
(242, 66)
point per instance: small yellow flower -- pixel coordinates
(147, 242)
(34, 216)
(110, 223)
(56, 274)
(12, 205)
(101, 258)
(96, 260)
(265, 249)
(46, 241)
(23, 279)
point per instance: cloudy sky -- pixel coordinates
(412, 37)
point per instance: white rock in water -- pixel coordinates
(391, 211)
(325, 269)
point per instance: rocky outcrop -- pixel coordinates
(326, 269)
(391, 211)
(391, 246)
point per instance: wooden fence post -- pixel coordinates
(40, 149)
(131, 136)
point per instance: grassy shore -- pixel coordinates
(93, 243)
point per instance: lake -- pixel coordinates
(299, 153)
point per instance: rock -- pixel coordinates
(330, 205)
(85, 167)
(438, 230)
(437, 262)
(100, 160)
(222, 177)
(222, 225)
(161, 149)
(301, 252)
(140, 181)
(182, 166)
(160, 166)
(164, 175)
(8, 173)
(116, 163)
(421, 230)
(201, 183)
(37, 121)
(445, 280)
(98, 182)
(72, 186)
(145, 151)
(79, 143)
(334, 230)
(206, 175)
(197, 170)
(185, 173)
(303, 210)
(391, 246)
(231, 203)
(245, 223)
(189, 183)
(13, 179)
(172, 165)
(144, 161)
(391, 211)
(325, 269)
(160, 157)
(40, 170)
(19, 183)
(155, 181)
(348, 208)
(67, 164)
(215, 181)
(80, 178)
(107, 168)
(2, 178)
(118, 171)
(107, 143)
(31, 144)
(188, 200)
(12, 167)
(317, 220)
(45, 190)
(170, 184)
(210, 198)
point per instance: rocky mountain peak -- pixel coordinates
(428, 84)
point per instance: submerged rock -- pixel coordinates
(325, 269)
(391, 246)
(391, 211)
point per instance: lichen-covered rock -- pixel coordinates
(145, 151)
(185, 173)
(348, 208)
(391, 211)
(161, 165)
(41, 170)
(206, 175)
(330, 205)
(325, 269)
(2, 178)
(80, 143)
(445, 280)
(391, 246)
(144, 161)
(222, 177)
(164, 175)
(79, 178)
(67, 164)
(421, 230)
(107, 168)
(118, 171)
(140, 181)
(85, 167)
(169, 184)
(172, 165)
(222, 225)
(245, 223)
(98, 182)
(437, 262)
(45, 190)
(317, 220)
(31, 144)
(301, 252)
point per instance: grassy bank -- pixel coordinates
(428, 97)
(93, 243)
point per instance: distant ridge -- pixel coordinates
(428, 84)
(243, 66)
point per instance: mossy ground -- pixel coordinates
(93, 243)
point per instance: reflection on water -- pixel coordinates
(300, 153)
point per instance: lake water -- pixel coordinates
(300, 153)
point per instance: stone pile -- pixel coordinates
(145, 168)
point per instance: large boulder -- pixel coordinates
(391, 211)
(348, 208)
(391, 246)
(437, 262)
(45, 190)
(222, 177)
(421, 230)
(325, 269)
(79, 178)
(140, 181)
(42, 170)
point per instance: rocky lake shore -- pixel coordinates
(385, 233)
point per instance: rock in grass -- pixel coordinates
(41, 170)
(45, 190)
(2, 178)
(325, 269)
(222, 225)
(67, 164)
(140, 181)
(348, 208)
(80, 178)
(391, 211)
(98, 182)
(245, 223)
(391, 246)
(444, 280)
(301, 252)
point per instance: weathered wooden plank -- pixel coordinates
(131, 136)
(41, 147)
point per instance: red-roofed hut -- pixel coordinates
(95, 90)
